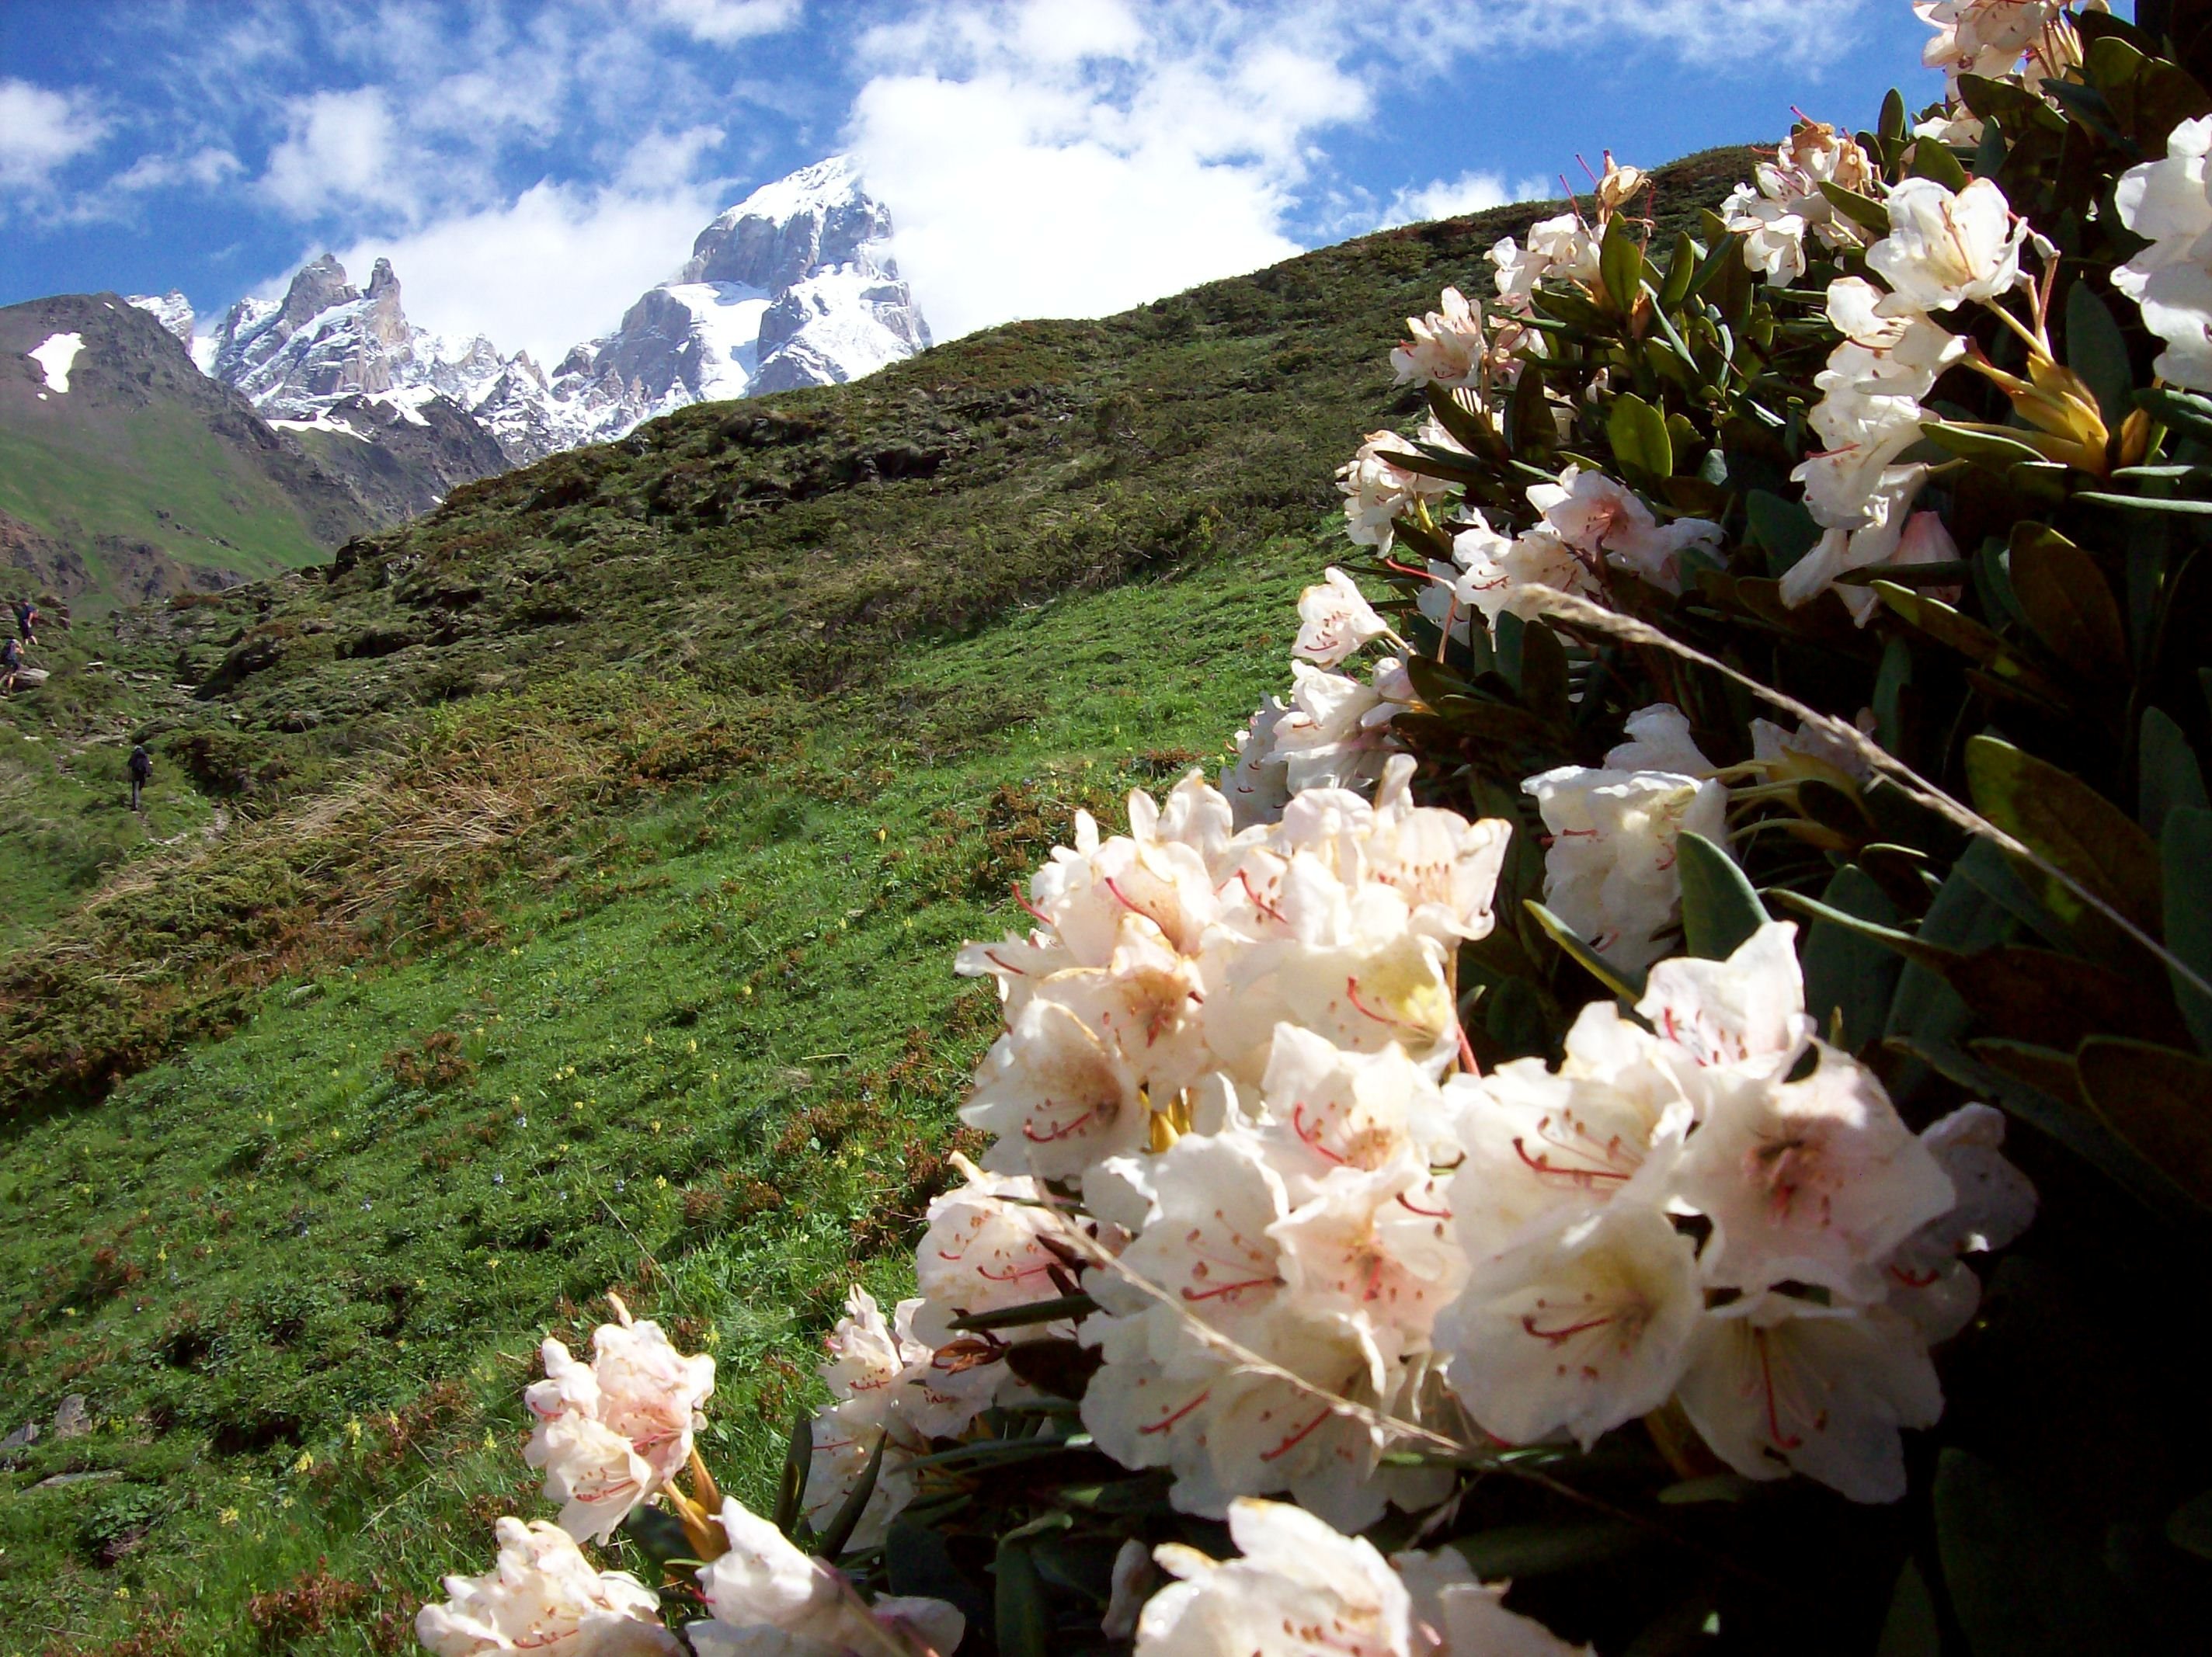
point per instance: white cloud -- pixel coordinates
(341, 149)
(1072, 159)
(722, 22)
(205, 168)
(1449, 198)
(556, 266)
(41, 130)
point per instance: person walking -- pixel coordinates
(11, 658)
(142, 773)
(26, 621)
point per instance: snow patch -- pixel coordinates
(56, 357)
(321, 424)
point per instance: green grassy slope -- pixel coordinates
(722, 735)
(722, 1034)
(144, 478)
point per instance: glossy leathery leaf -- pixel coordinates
(1023, 1614)
(1863, 211)
(1720, 909)
(1514, 1552)
(659, 1535)
(2040, 995)
(2185, 860)
(2159, 1101)
(2146, 97)
(1639, 437)
(2018, 108)
(2018, 1579)
(1893, 124)
(1543, 673)
(2182, 508)
(1681, 267)
(2182, 411)
(2046, 1069)
(1528, 425)
(1947, 626)
(2097, 351)
(791, 1479)
(2169, 777)
(1932, 159)
(1782, 527)
(1849, 977)
(1628, 986)
(918, 1564)
(2067, 600)
(1911, 1628)
(1620, 264)
(1895, 939)
(1016, 1317)
(1477, 435)
(1059, 1367)
(1997, 448)
(2066, 821)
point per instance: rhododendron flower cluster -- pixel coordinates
(544, 1596)
(1784, 202)
(611, 1433)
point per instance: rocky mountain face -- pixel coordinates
(794, 286)
(126, 474)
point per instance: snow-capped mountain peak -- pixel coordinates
(793, 286)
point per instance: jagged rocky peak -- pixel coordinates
(784, 232)
(172, 310)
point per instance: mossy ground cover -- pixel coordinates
(708, 1054)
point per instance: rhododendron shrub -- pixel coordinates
(1661, 1088)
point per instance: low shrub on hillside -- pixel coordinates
(1667, 1111)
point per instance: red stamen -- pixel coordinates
(1036, 1138)
(1295, 1439)
(1782, 1440)
(1558, 1337)
(1163, 1424)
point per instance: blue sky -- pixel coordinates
(531, 168)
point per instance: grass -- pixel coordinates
(707, 1052)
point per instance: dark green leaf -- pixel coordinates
(2041, 995)
(791, 1482)
(2157, 1100)
(2182, 411)
(2185, 854)
(2020, 1581)
(1477, 435)
(2097, 351)
(1638, 434)
(1620, 264)
(1994, 447)
(916, 1562)
(1891, 939)
(1940, 622)
(1060, 1367)
(2072, 826)
(2168, 777)
(1681, 266)
(1862, 210)
(1520, 1552)
(2068, 601)
(1024, 1618)
(839, 1530)
(1782, 527)
(2145, 503)
(1629, 987)
(1430, 461)
(1720, 910)
(1528, 424)
(1850, 979)
(1911, 1629)
(2189, 1527)
(1543, 676)
(1016, 1317)
(1932, 159)
(1892, 122)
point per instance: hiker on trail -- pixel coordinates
(141, 772)
(11, 658)
(26, 621)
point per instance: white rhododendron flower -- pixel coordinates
(870, 1363)
(1562, 249)
(1336, 620)
(1609, 871)
(612, 1433)
(1748, 1010)
(1878, 542)
(1301, 1589)
(1332, 735)
(545, 1598)
(768, 1597)
(1377, 493)
(1780, 1384)
(1593, 515)
(1257, 783)
(1490, 575)
(1659, 739)
(1787, 204)
(1816, 1182)
(1445, 347)
(2170, 203)
(1982, 37)
(1584, 1325)
(1944, 248)
(1869, 413)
